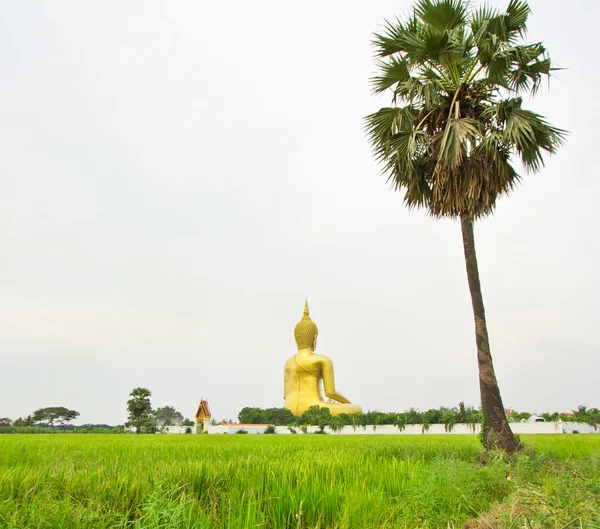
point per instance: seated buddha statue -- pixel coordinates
(304, 372)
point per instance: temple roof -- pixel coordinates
(203, 411)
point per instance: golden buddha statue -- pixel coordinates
(304, 372)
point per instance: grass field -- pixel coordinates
(311, 481)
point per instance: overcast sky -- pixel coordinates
(176, 177)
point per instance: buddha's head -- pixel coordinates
(306, 331)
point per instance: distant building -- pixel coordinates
(536, 418)
(203, 416)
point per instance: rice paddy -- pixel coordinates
(301, 481)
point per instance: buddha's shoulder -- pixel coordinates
(321, 358)
(306, 360)
(289, 361)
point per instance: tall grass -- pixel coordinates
(206, 482)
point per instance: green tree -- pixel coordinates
(52, 415)
(449, 417)
(589, 416)
(517, 416)
(168, 416)
(374, 418)
(350, 419)
(140, 409)
(253, 416)
(280, 416)
(336, 424)
(400, 421)
(468, 414)
(433, 416)
(316, 416)
(26, 422)
(414, 416)
(455, 126)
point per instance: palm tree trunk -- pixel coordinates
(496, 431)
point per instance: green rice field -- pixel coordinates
(295, 481)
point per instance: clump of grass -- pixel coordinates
(170, 507)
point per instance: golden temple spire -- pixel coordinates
(306, 311)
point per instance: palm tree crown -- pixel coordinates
(457, 77)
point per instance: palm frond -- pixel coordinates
(417, 193)
(517, 14)
(531, 135)
(404, 147)
(425, 88)
(455, 142)
(385, 126)
(484, 32)
(386, 43)
(398, 37)
(387, 121)
(452, 65)
(480, 18)
(395, 70)
(441, 15)
(430, 93)
(527, 66)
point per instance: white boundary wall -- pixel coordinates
(233, 428)
(174, 429)
(414, 429)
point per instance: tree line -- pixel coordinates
(461, 414)
(320, 416)
(50, 417)
(582, 414)
(141, 416)
(145, 419)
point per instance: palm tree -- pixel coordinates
(336, 424)
(455, 128)
(400, 421)
(449, 417)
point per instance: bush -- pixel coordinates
(270, 429)
(242, 431)
(28, 429)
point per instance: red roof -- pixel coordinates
(203, 408)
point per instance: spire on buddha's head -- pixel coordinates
(306, 330)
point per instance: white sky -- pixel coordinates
(176, 177)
